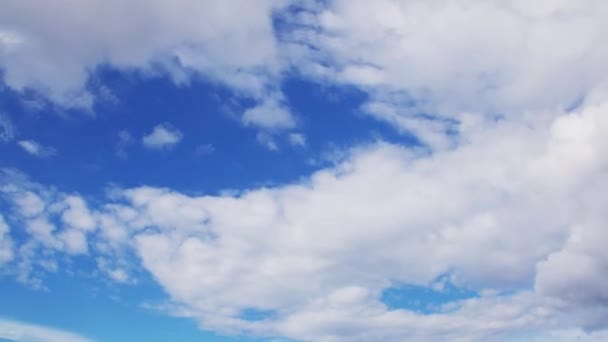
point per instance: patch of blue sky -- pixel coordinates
(255, 315)
(98, 310)
(425, 299)
(206, 114)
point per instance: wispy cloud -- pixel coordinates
(7, 130)
(36, 149)
(204, 150)
(26, 332)
(124, 140)
(297, 139)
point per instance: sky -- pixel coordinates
(303, 170)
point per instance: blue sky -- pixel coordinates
(303, 170)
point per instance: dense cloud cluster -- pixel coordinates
(516, 214)
(505, 196)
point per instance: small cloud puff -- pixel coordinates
(269, 114)
(163, 136)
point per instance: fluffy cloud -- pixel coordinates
(509, 202)
(499, 214)
(269, 114)
(517, 206)
(231, 43)
(516, 214)
(228, 41)
(51, 223)
(163, 136)
(438, 58)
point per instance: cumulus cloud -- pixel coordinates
(318, 254)
(163, 136)
(36, 149)
(515, 214)
(269, 114)
(444, 58)
(509, 202)
(26, 332)
(230, 42)
(53, 223)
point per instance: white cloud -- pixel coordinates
(29, 203)
(53, 223)
(513, 208)
(163, 136)
(37, 150)
(77, 214)
(26, 332)
(73, 241)
(500, 213)
(116, 274)
(517, 205)
(269, 114)
(229, 42)
(445, 58)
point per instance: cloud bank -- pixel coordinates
(517, 214)
(504, 197)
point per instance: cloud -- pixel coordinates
(444, 58)
(53, 223)
(267, 140)
(319, 253)
(124, 140)
(231, 43)
(36, 149)
(163, 136)
(297, 139)
(270, 115)
(514, 214)
(6, 243)
(7, 130)
(508, 202)
(26, 332)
